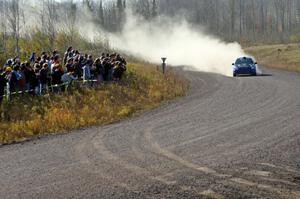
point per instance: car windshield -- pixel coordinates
(244, 61)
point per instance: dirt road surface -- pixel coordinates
(228, 138)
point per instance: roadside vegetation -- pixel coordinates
(282, 56)
(143, 87)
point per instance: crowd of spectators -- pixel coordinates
(50, 72)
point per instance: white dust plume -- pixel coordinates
(180, 43)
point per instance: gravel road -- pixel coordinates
(228, 138)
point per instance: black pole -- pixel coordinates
(164, 65)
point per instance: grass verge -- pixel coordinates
(277, 56)
(142, 88)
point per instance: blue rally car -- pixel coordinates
(244, 66)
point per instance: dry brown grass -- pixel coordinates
(143, 88)
(285, 57)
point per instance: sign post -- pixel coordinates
(164, 65)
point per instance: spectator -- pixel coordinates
(29, 76)
(90, 59)
(67, 53)
(48, 71)
(69, 65)
(13, 77)
(107, 68)
(38, 60)
(55, 61)
(110, 71)
(16, 61)
(43, 78)
(3, 84)
(77, 67)
(57, 74)
(9, 63)
(102, 57)
(43, 53)
(32, 57)
(99, 70)
(8, 77)
(54, 53)
(121, 59)
(43, 59)
(119, 69)
(76, 53)
(22, 78)
(68, 78)
(86, 73)
(36, 70)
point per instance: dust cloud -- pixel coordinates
(179, 42)
(182, 44)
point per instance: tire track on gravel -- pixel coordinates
(228, 138)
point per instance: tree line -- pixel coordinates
(252, 21)
(245, 21)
